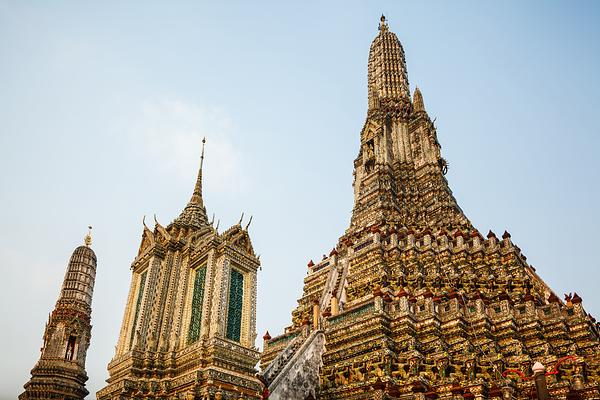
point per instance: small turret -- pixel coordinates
(60, 371)
(418, 104)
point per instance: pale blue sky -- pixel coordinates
(103, 106)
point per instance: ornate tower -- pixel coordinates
(60, 371)
(190, 320)
(414, 302)
(399, 170)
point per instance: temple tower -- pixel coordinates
(414, 302)
(399, 171)
(60, 371)
(189, 325)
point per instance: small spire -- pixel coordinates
(382, 23)
(194, 213)
(88, 238)
(197, 195)
(418, 104)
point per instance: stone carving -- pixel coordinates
(432, 309)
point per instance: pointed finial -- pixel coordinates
(418, 104)
(217, 227)
(248, 224)
(88, 238)
(202, 155)
(144, 222)
(212, 221)
(241, 218)
(382, 23)
(197, 195)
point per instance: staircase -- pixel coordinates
(335, 284)
(294, 373)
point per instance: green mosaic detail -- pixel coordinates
(138, 304)
(352, 314)
(195, 321)
(236, 302)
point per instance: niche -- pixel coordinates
(70, 353)
(370, 155)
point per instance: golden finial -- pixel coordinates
(197, 195)
(88, 238)
(202, 155)
(382, 23)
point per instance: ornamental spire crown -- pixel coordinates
(197, 194)
(387, 76)
(194, 213)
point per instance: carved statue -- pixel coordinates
(442, 368)
(340, 377)
(413, 366)
(498, 367)
(356, 374)
(328, 379)
(470, 367)
(377, 367)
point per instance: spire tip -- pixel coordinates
(197, 194)
(383, 23)
(202, 155)
(88, 238)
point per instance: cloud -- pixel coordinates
(170, 134)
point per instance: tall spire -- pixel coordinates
(194, 214)
(399, 171)
(387, 76)
(60, 371)
(197, 195)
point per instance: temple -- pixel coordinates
(189, 325)
(414, 302)
(60, 371)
